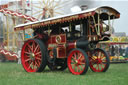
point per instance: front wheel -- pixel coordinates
(33, 56)
(77, 62)
(99, 60)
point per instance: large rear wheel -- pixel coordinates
(99, 60)
(33, 56)
(78, 62)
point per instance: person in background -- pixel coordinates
(126, 52)
(112, 51)
(19, 56)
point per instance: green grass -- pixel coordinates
(14, 74)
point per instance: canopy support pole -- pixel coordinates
(95, 24)
(48, 30)
(70, 27)
(112, 22)
(109, 24)
(98, 24)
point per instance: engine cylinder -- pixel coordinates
(82, 44)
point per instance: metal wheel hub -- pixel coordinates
(99, 61)
(76, 62)
(32, 56)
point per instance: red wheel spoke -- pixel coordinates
(92, 61)
(33, 46)
(74, 66)
(27, 56)
(27, 60)
(27, 52)
(36, 64)
(30, 65)
(36, 49)
(80, 56)
(82, 66)
(38, 58)
(79, 68)
(30, 47)
(81, 63)
(75, 56)
(73, 61)
(38, 53)
(101, 66)
(77, 62)
(98, 67)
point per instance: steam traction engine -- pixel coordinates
(69, 40)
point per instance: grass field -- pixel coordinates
(14, 74)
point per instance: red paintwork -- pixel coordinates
(63, 48)
(98, 61)
(52, 39)
(61, 53)
(26, 55)
(60, 46)
(76, 64)
(71, 45)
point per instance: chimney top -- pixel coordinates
(84, 7)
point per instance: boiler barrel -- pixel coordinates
(78, 44)
(82, 44)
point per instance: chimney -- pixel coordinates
(84, 7)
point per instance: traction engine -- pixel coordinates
(69, 41)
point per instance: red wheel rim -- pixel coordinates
(76, 62)
(98, 61)
(31, 56)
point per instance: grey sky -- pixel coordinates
(120, 25)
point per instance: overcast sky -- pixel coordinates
(120, 25)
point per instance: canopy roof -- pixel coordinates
(104, 11)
